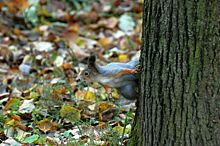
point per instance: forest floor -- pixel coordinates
(43, 46)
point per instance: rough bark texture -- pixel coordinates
(180, 82)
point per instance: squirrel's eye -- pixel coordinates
(86, 73)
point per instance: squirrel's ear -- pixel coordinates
(91, 60)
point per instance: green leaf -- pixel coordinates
(34, 95)
(70, 113)
(31, 14)
(31, 138)
(66, 134)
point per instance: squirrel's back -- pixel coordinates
(115, 67)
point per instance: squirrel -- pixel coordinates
(122, 76)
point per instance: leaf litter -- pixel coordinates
(43, 47)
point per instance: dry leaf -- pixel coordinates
(108, 23)
(73, 27)
(16, 5)
(15, 117)
(104, 106)
(47, 125)
(17, 124)
(86, 95)
(104, 41)
(108, 114)
(27, 106)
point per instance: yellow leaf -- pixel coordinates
(120, 129)
(17, 124)
(123, 58)
(104, 106)
(86, 96)
(115, 94)
(80, 42)
(89, 96)
(70, 113)
(11, 122)
(13, 104)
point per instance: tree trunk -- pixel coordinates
(180, 80)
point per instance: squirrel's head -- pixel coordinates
(90, 72)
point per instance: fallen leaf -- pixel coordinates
(27, 106)
(14, 7)
(108, 23)
(73, 27)
(118, 34)
(31, 14)
(104, 106)
(123, 58)
(46, 125)
(43, 46)
(31, 139)
(11, 122)
(108, 114)
(59, 61)
(34, 95)
(104, 42)
(90, 96)
(10, 141)
(70, 113)
(92, 107)
(67, 66)
(87, 95)
(115, 94)
(25, 68)
(121, 129)
(13, 104)
(15, 117)
(79, 52)
(21, 126)
(17, 124)
(126, 23)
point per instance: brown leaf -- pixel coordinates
(67, 66)
(16, 117)
(47, 125)
(87, 17)
(109, 23)
(17, 124)
(16, 5)
(21, 126)
(73, 27)
(107, 114)
(104, 41)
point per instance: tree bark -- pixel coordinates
(180, 80)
